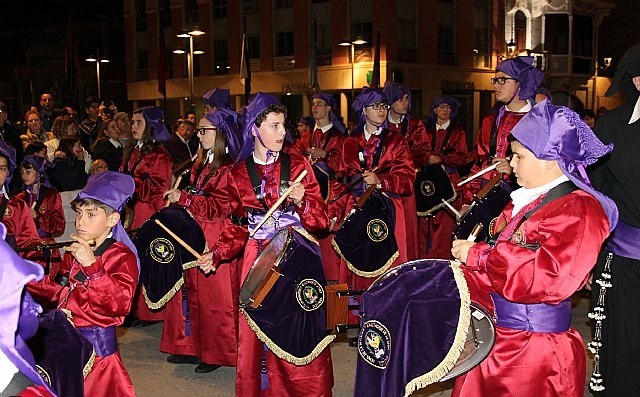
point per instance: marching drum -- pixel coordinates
(283, 297)
(162, 258)
(419, 327)
(433, 185)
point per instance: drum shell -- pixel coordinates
(484, 210)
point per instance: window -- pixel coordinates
(190, 12)
(556, 33)
(165, 13)
(284, 42)
(254, 46)
(142, 64)
(219, 9)
(407, 41)
(250, 7)
(221, 57)
(280, 4)
(141, 16)
(582, 28)
(363, 29)
(446, 29)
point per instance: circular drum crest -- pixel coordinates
(310, 294)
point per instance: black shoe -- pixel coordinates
(353, 342)
(137, 323)
(204, 368)
(182, 359)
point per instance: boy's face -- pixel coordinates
(4, 170)
(530, 171)
(272, 132)
(507, 90)
(93, 223)
(401, 106)
(320, 109)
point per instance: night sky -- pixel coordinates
(28, 13)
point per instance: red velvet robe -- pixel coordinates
(20, 226)
(152, 177)
(438, 228)
(415, 133)
(309, 139)
(397, 176)
(570, 231)
(213, 298)
(482, 151)
(104, 299)
(285, 379)
(50, 220)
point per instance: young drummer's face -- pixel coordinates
(206, 133)
(530, 171)
(93, 223)
(28, 175)
(137, 126)
(4, 170)
(272, 132)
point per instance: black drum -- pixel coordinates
(283, 297)
(323, 175)
(366, 240)
(162, 259)
(433, 185)
(419, 327)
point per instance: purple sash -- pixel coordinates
(103, 339)
(625, 241)
(279, 220)
(536, 317)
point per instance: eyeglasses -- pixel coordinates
(204, 130)
(443, 106)
(318, 104)
(501, 80)
(379, 106)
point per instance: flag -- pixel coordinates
(375, 79)
(163, 68)
(245, 65)
(313, 59)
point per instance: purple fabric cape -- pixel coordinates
(529, 77)
(331, 101)
(218, 97)
(155, 116)
(228, 121)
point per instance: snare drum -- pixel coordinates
(283, 297)
(419, 327)
(433, 185)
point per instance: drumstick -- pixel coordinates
(179, 240)
(175, 186)
(477, 174)
(455, 211)
(277, 204)
(475, 232)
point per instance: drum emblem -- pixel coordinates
(162, 250)
(8, 212)
(309, 294)
(427, 188)
(377, 230)
(374, 344)
(43, 374)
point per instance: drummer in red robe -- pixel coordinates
(550, 236)
(323, 146)
(95, 284)
(413, 130)
(44, 203)
(150, 166)
(201, 327)
(449, 145)
(259, 371)
(516, 82)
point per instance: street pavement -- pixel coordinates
(153, 376)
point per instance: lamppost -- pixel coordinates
(352, 43)
(189, 34)
(97, 61)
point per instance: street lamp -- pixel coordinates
(97, 61)
(347, 43)
(189, 34)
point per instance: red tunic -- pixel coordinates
(482, 151)
(570, 231)
(213, 298)
(103, 300)
(420, 147)
(397, 176)
(438, 228)
(50, 220)
(20, 226)
(333, 147)
(285, 379)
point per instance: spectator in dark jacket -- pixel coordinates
(68, 173)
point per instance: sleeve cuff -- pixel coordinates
(94, 271)
(478, 256)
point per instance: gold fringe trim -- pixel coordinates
(166, 298)
(437, 207)
(305, 234)
(458, 342)
(190, 265)
(89, 365)
(359, 272)
(283, 354)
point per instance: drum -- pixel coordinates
(417, 329)
(486, 206)
(433, 185)
(323, 175)
(162, 259)
(283, 297)
(366, 239)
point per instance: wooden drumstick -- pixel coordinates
(175, 186)
(277, 204)
(452, 209)
(480, 173)
(179, 240)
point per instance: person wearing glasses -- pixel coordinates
(515, 83)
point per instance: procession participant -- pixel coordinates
(304, 126)
(215, 98)
(515, 83)
(617, 176)
(210, 338)
(44, 203)
(449, 149)
(259, 371)
(549, 237)
(323, 146)
(150, 166)
(95, 285)
(413, 130)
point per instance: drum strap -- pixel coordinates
(377, 153)
(445, 142)
(256, 181)
(326, 140)
(493, 141)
